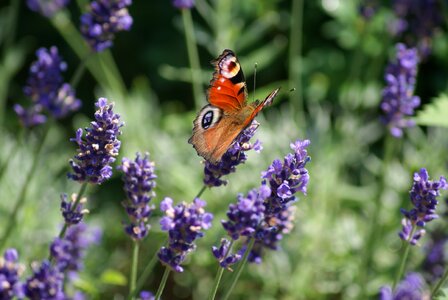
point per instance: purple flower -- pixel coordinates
(30, 117)
(46, 282)
(411, 288)
(233, 157)
(398, 96)
(47, 8)
(267, 214)
(106, 17)
(71, 216)
(435, 259)
(47, 90)
(246, 215)
(99, 147)
(184, 223)
(368, 8)
(10, 271)
(223, 255)
(69, 251)
(417, 21)
(145, 295)
(423, 194)
(139, 182)
(183, 3)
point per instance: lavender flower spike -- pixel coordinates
(184, 223)
(46, 282)
(47, 8)
(73, 216)
(423, 194)
(139, 182)
(412, 288)
(99, 147)
(398, 96)
(69, 251)
(183, 4)
(10, 271)
(232, 158)
(106, 18)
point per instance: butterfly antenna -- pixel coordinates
(255, 81)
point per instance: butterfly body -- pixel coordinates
(220, 122)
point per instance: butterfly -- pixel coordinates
(219, 123)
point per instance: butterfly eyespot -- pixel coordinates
(207, 119)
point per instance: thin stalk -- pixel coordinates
(12, 153)
(193, 57)
(112, 68)
(388, 154)
(146, 272)
(22, 195)
(133, 279)
(219, 273)
(11, 32)
(111, 79)
(295, 61)
(239, 269)
(74, 39)
(404, 258)
(79, 72)
(439, 284)
(163, 283)
(201, 191)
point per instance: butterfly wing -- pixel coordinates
(213, 133)
(227, 89)
(259, 106)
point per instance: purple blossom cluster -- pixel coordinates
(69, 251)
(184, 223)
(47, 90)
(46, 282)
(71, 214)
(267, 214)
(103, 21)
(435, 259)
(398, 96)
(232, 158)
(100, 146)
(423, 194)
(45, 7)
(412, 288)
(145, 295)
(183, 4)
(368, 8)
(139, 182)
(417, 21)
(10, 271)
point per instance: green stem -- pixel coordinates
(81, 192)
(219, 273)
(388, 154)
(201, 191)
(193, 57)
(439, 284)
(295, 61)
(239, 269)
(133, 280)
(146, 272)
(71, 35)
(11, 32)
(79, 72)
(163, 282)
(404, 258)
(22, 195)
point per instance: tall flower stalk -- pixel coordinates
(262, 217)
(423, 195)
(139, 182)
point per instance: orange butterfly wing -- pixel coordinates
(227, 89)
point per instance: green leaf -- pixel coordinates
(434, 114)
(113, 277)
(443, 294)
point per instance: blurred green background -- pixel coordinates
(331, 55)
